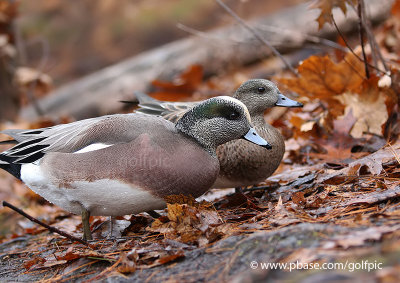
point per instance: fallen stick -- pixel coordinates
(48, 227)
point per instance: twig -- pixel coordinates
(257, 35)
(205, 35)
(351, 49)
(264, 188)
(310, 38)
(40, 69)
(361, 31)
(307, 37)
(21, 50)
(105, 271)
(371, 37)
(48, 227)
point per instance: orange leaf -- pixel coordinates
(326, 7)
(181, 87)
(170, 258)
(322, 78)
(396, 8)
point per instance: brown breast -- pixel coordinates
(248, 164)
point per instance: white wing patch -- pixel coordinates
(93, 147)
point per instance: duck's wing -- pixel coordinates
(106, 130)
(171, 111)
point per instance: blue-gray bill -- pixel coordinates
(254, 137)
(287, 102)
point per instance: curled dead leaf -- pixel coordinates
(125, 264)
(326, 7)
(25, 76)
(181, 199)
(322, 78)
(181, 87)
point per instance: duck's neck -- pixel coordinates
(211, 149)
(258, 119)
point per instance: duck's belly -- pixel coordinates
(100, 197)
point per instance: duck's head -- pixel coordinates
(218, 120)
(259, 95)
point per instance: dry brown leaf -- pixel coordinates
(125, 264)
(375, 197)
(189, 224)
(298, 198)
(181, 87)
(8, 11)
(396, 9)
(29, 79)
(181, 199)
(358, 238)
(24, 76)
(371, 163)
(6, 49)
(369, 110)
(326, 7)
(322, 78)
(369, 106)
(170, 258)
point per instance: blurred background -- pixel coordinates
(81, 36)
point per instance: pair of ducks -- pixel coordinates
(127, 163)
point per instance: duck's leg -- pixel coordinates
(238, 190)
(153, 214)
(87, 234)
(112, 220)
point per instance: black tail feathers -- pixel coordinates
(13, 169)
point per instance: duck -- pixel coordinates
(241, 164)
(127, 163)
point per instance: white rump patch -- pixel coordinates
(101, 197)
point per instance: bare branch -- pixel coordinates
(371, 38)
(257, 35)
(48, 227)
(352, 51)
(361, 31)
(310, 38)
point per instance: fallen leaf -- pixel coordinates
(8, 11)
(126, 265)
(358, 238)
(395, 11)
(375, 197)
(27, 78)
(371, 163)
(181, 87)
(298, 198)
(326, 7)
(169, 258)
(368, 108)
(323, 79)
(181, 199)
(34, 262)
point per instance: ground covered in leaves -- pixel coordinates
(330, 212)
(310, 214)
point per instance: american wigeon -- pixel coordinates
(242, 164)
(127, 163)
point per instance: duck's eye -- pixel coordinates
(233, 116)
(261, 89)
